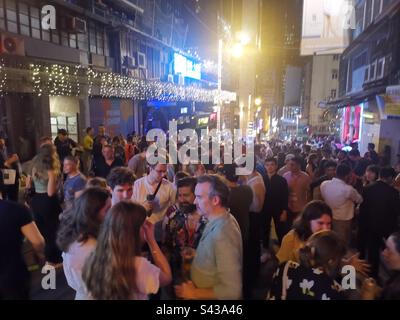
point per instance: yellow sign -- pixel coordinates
(392, 104)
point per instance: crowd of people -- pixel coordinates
(122, 228)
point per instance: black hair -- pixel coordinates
(180, 175)
(330, 164)
(82, 220)
(271, 159)
(373, 168)
(143, 145)
(187, 182)
(62, 132)
(371, 146)
(354, 153)
(312, 211)
(387, 172)
(120, 176)
(229, 172)
(342, 171)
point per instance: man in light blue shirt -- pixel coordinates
(217, 267)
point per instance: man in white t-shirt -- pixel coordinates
(164, 198)
(341, 197)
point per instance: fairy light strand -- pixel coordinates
(66, 81)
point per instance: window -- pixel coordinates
(55, 36)
(23, 12)
(64, 39)
(359, 18)
(11, 12)
(377, 8)
(46, 35)
(360, 60)
(106, 47)
(83, 41)
(2, 22)
(35, 22)
(333, 93)
(335, 57)
(366, 74)
(92, 38)
(100, 41)
(380, 69)
(372, 71)
(72, 40)
(334, 74)
(368, 12)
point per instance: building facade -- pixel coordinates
(369, 78)
(105, 62)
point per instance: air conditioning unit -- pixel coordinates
(97, 60)
(141, 60)
(76, 24)
(171, 78)
(12, 45)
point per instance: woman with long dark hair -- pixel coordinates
(77, 236)
(46, 177)
(116, 270)
(315, 217)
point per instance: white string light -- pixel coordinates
(3, 79)
(65, 81)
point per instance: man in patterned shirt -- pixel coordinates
(183, 225)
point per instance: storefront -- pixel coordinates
(64, 114)
(117, 115)
(351, 124)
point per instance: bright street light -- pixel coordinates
(237, 50)
(243, 37)
(258, 102)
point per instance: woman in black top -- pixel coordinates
(15, 224)
(312, 278)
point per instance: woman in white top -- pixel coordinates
(116, 270)
(78, 233)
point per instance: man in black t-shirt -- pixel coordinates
(15, 224)
(64, 144)
(103, 166)
(359, 165)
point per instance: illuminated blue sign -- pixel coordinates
(186, 67)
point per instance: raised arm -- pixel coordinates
(158, 256)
